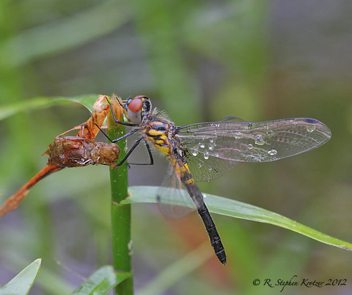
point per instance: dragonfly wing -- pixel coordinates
(232, 119)
(250, 142)
(206, 167)
(173, 198)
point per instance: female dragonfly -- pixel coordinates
(204, 151)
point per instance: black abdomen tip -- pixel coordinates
(221, 256)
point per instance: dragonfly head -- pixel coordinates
(137, 108)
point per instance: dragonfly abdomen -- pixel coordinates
(203, 212)
(215, 239)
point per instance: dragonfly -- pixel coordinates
(204, 151)
(74, 151)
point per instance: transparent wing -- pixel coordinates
(206, 167)
(220, 144)
(231, 119)
(172, 196)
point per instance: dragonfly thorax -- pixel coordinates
(160, 133)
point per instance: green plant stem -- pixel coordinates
(121, 217)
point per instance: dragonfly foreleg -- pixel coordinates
(117, 139)
(117, 121)
(130, 151)
(150, 156)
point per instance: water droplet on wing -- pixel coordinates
(238, 135)
(194, 152)
(258, 139)
(311, 128)
(272, 152)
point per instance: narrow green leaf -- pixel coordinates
(102, 281)
(45, 102)
(232, 208)
(49, 281)
(53, 38)
(23, 282)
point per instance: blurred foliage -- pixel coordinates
(198, 61)
(23, 282)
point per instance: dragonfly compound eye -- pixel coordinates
(134, 110)
(135, 105)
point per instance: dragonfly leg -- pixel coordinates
(149, 154)
(117, 139)
(130, 151)
(117, 121)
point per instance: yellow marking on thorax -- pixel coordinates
(161, 143)
(158, 141)
(154, 132)
(164, 149)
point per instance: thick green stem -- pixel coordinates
(121, 217)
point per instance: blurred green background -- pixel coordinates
(198, 61)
